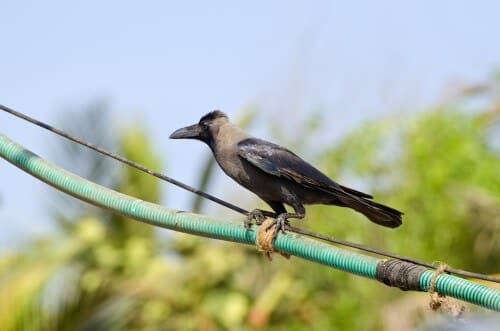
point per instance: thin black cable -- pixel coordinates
(239, 209)
(123, 160)
(382, 252)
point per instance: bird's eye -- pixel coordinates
(204, 127)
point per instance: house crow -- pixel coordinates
(277, 175)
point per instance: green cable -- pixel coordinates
(294, 244)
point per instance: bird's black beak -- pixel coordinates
(189, 132)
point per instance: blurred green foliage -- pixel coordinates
(109, 273)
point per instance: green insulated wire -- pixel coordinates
(462, 289)
(294, 244)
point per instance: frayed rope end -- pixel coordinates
(264, 241)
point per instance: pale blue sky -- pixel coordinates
(171, 62)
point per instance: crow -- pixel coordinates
(277, 175)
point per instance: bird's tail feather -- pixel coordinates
(376, 212)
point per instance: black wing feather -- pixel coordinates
(281, 162)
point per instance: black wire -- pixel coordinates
(393, 255)
(239, 209)
(123, 160)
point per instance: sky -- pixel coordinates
(167, 63)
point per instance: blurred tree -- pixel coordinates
(92, 123)
(84, 279)
(440, 167)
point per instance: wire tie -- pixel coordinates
(264, 240)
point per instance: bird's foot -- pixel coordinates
(256, 215)
(280, 223)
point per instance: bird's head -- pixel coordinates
(205, 130)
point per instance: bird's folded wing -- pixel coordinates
(279, 161)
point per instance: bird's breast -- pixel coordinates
(231, 163)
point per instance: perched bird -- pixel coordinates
(277, 175)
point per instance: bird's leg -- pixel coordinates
(282, 222)
(259, 215)
(256, 215)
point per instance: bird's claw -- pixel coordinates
(280, 223)
(255, 215)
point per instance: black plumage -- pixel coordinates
(277, 175)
